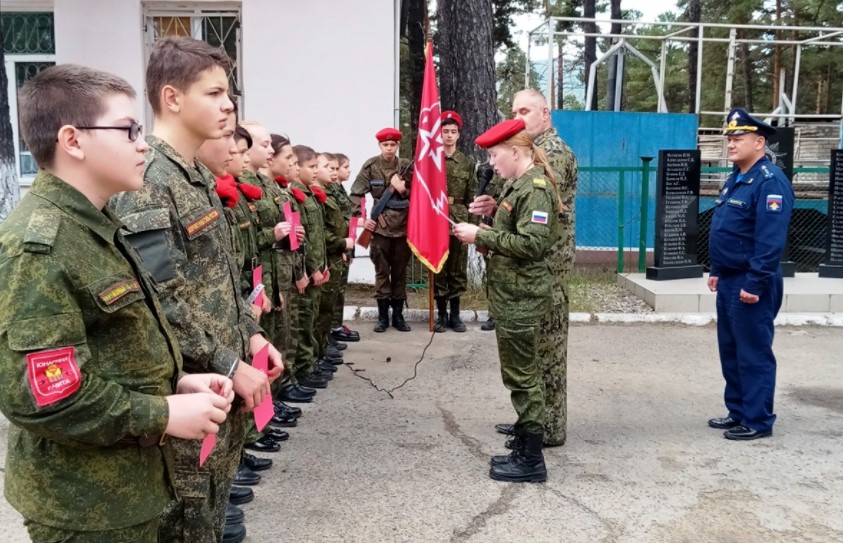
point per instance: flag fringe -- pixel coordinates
(424, 261)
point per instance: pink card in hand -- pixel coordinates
(352, 227)
(288, 212)
(207, 447)
(295, 220)
(265, 411)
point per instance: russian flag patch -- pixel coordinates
(539, 217)
(774, 202)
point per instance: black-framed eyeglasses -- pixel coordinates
(133, 129)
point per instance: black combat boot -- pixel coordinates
(513, 442)
(488, 325)
(455, 322)
(383, 316)
(442, 319)
(526, 464)
(398, 321)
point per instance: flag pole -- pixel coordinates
(430, 299)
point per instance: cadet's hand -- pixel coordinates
(301, 284)
(344, 257)
(712, 283)
(266, 303)
(257, 311)
(207, 382)
(369, 225)
(398, 184)
(466, 233)
(195, 415)
(483, 205)
(327, 275)
(281, 303)
(300, 232)
(349, 244)
(276, 364)
(251, 385)
(748, 298)
(318, 278)
(282, 230)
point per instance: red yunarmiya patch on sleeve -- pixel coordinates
(53, 374)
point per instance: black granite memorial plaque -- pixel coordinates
(833, 266)
(677, 209)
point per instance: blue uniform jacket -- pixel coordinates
(749, 227)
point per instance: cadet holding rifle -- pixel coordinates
(388, 179)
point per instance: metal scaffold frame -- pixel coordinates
(677, 31)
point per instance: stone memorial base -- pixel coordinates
(669, 273)
(804, 293)
(831, 271)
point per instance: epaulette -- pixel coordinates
(539, 182)
(41, 231)
(370, 162)
(767, 173)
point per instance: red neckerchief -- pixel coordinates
(227, 190)
(282, 181)
(251, 192)
(320, 194)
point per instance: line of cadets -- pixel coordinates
(258, 176)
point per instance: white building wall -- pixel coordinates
(321, 72)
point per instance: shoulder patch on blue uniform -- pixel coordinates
(767, 173)
(41, 231)
(774, 202)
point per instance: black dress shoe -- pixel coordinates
(345, 334)
(324, 375)
(234, 515)
(295, 411)
(723, 423)
(239, 495)
(332, 352)
(337, 345)
(742, 433)
(292, 394)
(284, 422)
(276, 434)
(256, 464)
(326, 366)
(234, 533)
(333, 361)
(488, 325)
(305, 390)
(505, 429)
(264, 444)
(246, 477)
(312, 382)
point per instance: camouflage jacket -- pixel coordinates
(374, 177)
(336, 226)
(524, 229)
(86, 358)
(178, 226)
(245, 224)
(314, 226)
(337, 190)
(462, 184)
(564, 165)
(297, 256)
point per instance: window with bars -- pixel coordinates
(29, 46)
(220, 28)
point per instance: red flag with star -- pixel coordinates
(428, 229)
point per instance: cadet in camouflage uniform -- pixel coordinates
(316, 266)
(389, 250)
(178, 226)
(339, 331)
(336, 244)
(524, 229)
(451, 282)
(531, 107)
(88, 363)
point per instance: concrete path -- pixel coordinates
(640, 464)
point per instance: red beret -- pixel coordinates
(388, 134)
(452, 115)
(499, 133)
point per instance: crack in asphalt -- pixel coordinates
(473, 445)
(499, 507)
(613, 528)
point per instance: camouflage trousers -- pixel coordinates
(284, 329)
(306, 348)
(390, 257)
(146, 532)
(198, 515)
(339, 303)
(330, 292)
(552, 351)
(452, 281)
(521, 370)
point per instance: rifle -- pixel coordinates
(366, 237)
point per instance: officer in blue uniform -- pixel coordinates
(747, 240)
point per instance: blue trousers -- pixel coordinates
(745, 340)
